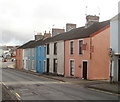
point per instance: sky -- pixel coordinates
(20, 20)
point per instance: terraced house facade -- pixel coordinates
(79, 52)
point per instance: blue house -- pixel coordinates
(40, 58)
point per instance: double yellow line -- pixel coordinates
(13, 92)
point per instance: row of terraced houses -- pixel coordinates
(82, 52)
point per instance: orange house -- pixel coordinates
(19, 61)
(86, 52)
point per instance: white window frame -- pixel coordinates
(79, 47)
(70, 47)
(54, 48)
(70, 66)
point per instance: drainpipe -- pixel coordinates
(111, 72)
(90, 48)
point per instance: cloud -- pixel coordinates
(20, 18)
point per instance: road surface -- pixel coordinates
(31, 87)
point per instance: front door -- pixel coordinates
(47, 65)
(55, 66)
(85, 69)
(118, 69)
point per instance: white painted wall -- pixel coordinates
(59, 56)
(115, 34)
(115, 44)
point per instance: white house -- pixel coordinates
(55, 57)
(115, 46)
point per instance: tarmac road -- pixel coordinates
(31, 87)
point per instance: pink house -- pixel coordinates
(86, 51)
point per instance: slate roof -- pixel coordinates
(76, 33)
(26, 45)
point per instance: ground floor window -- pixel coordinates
(72, 67)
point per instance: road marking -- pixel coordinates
(4, 85)
(13, 92)
(104, 91)
(17, 95)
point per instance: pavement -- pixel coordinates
(103, 85)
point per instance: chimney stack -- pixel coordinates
(56, 31)
(38, 36)
(70, 26)
(90, 19)
(47, 35)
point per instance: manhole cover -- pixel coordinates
(26, 92)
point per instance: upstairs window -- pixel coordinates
(55, 48)
(44, 51)
(71, 47)
(40, 51)
(33, 52)
(47, 49)
(80, 47)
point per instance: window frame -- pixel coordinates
(70, 47)
(48, 49)
(70, 67)
(81, 47)
(55, 48)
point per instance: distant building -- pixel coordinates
(8, 51)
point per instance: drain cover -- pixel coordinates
(26, 92)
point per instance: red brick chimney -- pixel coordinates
(47, 35)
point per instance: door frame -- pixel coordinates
(82, 68)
